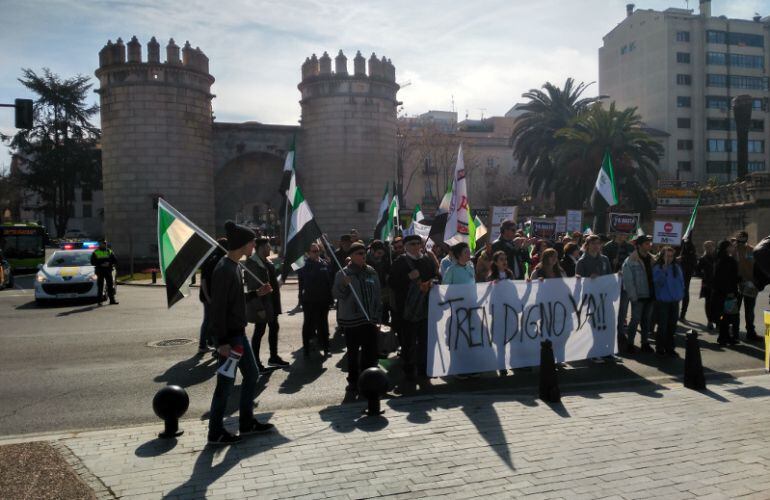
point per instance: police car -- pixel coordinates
(68, 274)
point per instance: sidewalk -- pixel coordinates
(651, 441)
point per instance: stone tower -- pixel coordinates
(346, 151)
(156, 141)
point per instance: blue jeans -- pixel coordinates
(641, 314)
(248, 367)
(203, 341)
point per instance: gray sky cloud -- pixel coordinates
(482, 54)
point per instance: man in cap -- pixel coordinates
(513, 248)
(228, 327)
(417, 271)
(360, 327)
(104, 263)
(638, 284)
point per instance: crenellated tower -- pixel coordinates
(156, 141)
(347, 147)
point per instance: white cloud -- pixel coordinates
(484, 53)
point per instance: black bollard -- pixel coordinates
(170, 403)
(549, 385)
(693, 366)
(154, 278)
(372, 384)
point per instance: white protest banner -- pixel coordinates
(499, 215)
(500, 325)
(667, 232)
(561, 224)
(575, 220)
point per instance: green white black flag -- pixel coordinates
(303, 229)
(182, 246)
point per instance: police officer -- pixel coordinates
(104, 262)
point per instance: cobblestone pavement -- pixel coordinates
(645, 441)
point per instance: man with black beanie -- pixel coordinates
(228, 327)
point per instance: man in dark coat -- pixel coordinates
(228, 328)
(204, 293)
(688, 259)
(513, 248)
(260, 265)
(413, 269)
(315, 282)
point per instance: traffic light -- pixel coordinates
(23, 113)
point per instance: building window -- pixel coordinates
(729, 124)
(86, 194)
(717, 102)
(623, 50)
(682, 36)
(684, 144)
(733, 38)
(758, 104)
(683, 79)
(683, 123)
(361, 204)
(684, 166)
(735, 60)
(683, 57)
(87, 211)
(683, 101)
(731, 168)
(725, 146)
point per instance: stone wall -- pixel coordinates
(729, 208)
(346, 150)
(156, 141)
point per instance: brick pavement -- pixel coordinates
(644, 441)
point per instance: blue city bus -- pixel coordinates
(23, 245)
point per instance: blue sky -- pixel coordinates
(484, 54)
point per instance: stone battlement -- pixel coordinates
(114, 54)
(318, 68)
(755, 188)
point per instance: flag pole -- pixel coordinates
(331, 251)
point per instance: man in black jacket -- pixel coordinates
(315, 284)
(413, 269)
(260, 265)
(513, 248)
(228, 327)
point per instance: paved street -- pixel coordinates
(655, 441)
(79, 366)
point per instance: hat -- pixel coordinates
(356, 247)
(376, 245)
(262, 240)
(345, 237)
(642, 238)
(412, 237)
(237, 235)
(507, 224)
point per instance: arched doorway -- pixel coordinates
(246, 190)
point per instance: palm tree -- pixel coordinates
(634, 154)
(534, 139)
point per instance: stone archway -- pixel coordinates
(247, 187)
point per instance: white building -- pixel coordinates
(681, 69)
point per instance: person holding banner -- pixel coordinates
(548, 267)
(359, 306)
(570, 259)
(228, 326)
(593, 263)
(499, 268)
(461, 271)
(411, 278)
(668, 277)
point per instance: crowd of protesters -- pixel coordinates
(387, 283)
